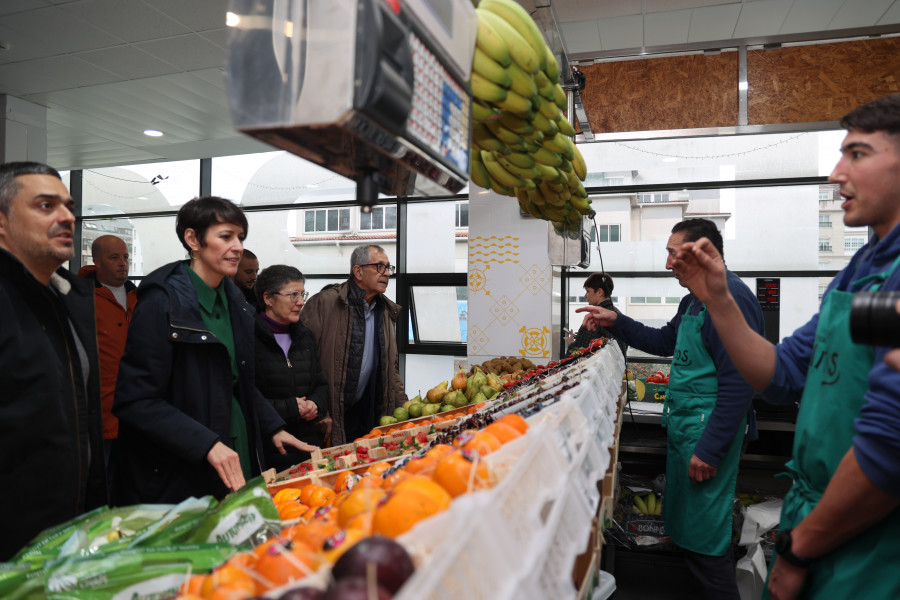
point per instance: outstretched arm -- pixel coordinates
(703, 271)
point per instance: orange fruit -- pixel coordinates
(370, 482)
(401, 511)
(322, 513)
(341, 483)
(306, 491)
(234, 591)
(378, 468)
(281, 564)
(192, 585)
(462, 472)
(482, 442)
(360, 500)
(409, 425)
(514, 421)
(321, 497)
(285, 495)
(291, 510)
(190, 596)
(313, 534)
(227, 576)
(503, 432)
(427, 487)
(394, 478)
(422, 464)
(439, 451)
(362, 521)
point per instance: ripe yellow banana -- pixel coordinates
(477, 173)
(554, 213)
(490, 69)
(522, 22)
(582, 205)
(549, 109)
(482, 112)
(561, 144)
(566, 165)
(536, 197)
(521, 82)
(578, 163)
(548, 173)
(486, 90)
(491, 43)
(515, 103)
(519, 49)
(498, 173)
(552, 197)
(503, 134)
(544, 85)
(501, 189)
(520, 159)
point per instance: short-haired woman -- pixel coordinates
(191, 421)
(288, 371)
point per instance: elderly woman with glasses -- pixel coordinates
(288, 371)
(191, 421)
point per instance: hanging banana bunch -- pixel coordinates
(521, 140)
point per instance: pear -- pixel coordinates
(401, 414)
(436, 394)
(458, 400)
(446, 407)
(387, 420)
(479, 397)
(488, 391)
(451, 396)
(430, 409)
(415, 410)
(459, 380)
(495, 382)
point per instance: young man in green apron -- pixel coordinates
(839, 535)
(709, 408)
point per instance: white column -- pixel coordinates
(23, 130)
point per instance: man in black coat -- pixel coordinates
(50, 424)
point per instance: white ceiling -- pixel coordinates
(108, 69)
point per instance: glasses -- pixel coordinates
(381, 268)
(294, 296)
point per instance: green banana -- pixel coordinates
(547, 157)
(521, 82)
(498, 173)
(477, 172)
(544, 85)
(641, 505)
(552, 68)
(552, 197)
(566, 165)
(561, 144)
(482, 112)
(516, 124)
(564, 126)
(489, 68)
(549, 110)
(545, 125)
(501, 189)
(486, 90)
(517, 148)
(514, 103)
(548, 173)
(651, 503)
(572, 181)
(559, 97)
(554, 213)
(529, 185)
(519, 49)
(487, 140)
(520, 159)
(491, 43)
(503, 133)
(582, 205)
(578, 163)
(521, 172)
(530, 208)
(522, 22)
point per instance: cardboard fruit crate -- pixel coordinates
(651, 392)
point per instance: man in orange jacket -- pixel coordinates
(114, 300)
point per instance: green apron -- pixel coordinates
(837, 380)
(697, 515)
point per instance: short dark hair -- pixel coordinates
(248, 254)
(8, 173)
(273, 278)
(200, 213)
(600, 281)
(878, 115)
(694, 229)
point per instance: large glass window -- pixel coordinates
(852, 243)
(130, 189)
(327, 219)
(432, 307)
(381, 217)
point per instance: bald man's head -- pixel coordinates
(110, 255)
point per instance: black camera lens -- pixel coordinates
(874, 320)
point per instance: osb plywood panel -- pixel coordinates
(663, 93)
(821, 82)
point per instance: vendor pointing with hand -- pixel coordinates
(709, 407)
(839, 535)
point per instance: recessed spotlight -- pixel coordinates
(153, 133)
(232, 19)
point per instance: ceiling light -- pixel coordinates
(231, 19)
(153, 133)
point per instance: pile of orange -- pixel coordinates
(330, 521)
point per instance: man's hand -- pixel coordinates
(785, 580)
(700, 471)
(283, 438)
(308, 409)
(227, 464)
(597, 317)
(701, 269)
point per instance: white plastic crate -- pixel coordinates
(589, 468)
